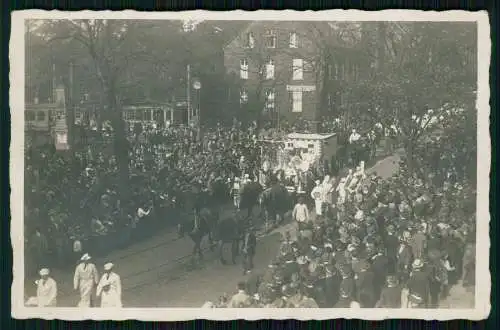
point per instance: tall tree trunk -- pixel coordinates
(121, 144)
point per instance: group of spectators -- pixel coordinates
(75, 198)
(399, 242)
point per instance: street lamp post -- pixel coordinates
(197, 87)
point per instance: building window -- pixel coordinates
(270, 38)
(294, 42)
(40, 116)
(147, 115)
(298, 69)
(243, 96)
(250, 40)
(270, 69)
(30, 116)
(130, 115)
(270, 99)
(78, 117)
(297, 101)
(244, 69)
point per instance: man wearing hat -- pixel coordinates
(85, 279)
(418, 284)
(364, 280)
(46, 290)
(331, 282)
(418, 242)
(110, 288)
(241, 298)
(380, 264)
(390, 296)
(249, 245)
(404, 257)
(345, 300)
(391, 242)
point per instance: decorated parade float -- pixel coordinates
(292, 156)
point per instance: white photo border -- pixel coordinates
(17, 83)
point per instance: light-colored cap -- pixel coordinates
(108, 266)
(44, 272)
(417, 264)
(85, 257)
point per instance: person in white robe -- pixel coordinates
(327, 190)
(46, 291)
(317, 196)
(110, 288)
(85, 279)
(356, 179)
(341, 192)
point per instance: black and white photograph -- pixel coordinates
(268, 164)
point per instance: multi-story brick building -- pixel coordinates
(292, 70)
(279, 69)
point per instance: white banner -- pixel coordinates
(300, 88)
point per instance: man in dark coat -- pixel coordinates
(347, 284)
(249, 245)
(404, 259)
(391, 243)
(364, 285)
(331, 284)
(418, 283)
(380, 264)
(391, 294)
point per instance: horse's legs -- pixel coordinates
(234, 250)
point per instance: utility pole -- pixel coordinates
(71, 107)
(188, 93)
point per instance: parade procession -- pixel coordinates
(335, 195)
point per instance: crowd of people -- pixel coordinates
(399, 242)
(164, 164)
(361, 240)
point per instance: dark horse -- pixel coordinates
(250, 197)
(229, 230)
(201, 224)
(275, 201)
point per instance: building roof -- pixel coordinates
(310, 136)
